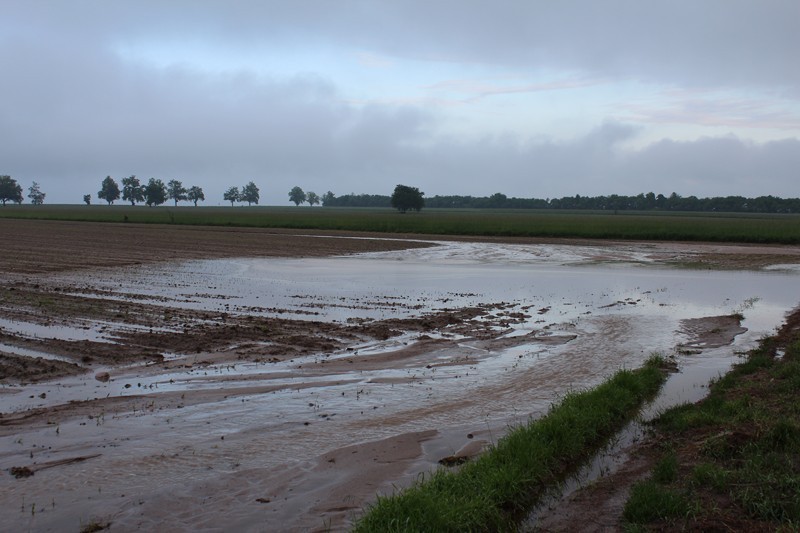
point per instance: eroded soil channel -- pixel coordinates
(277, 393)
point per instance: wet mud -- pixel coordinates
(710, 332)
(194, 389)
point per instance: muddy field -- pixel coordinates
(183, 377)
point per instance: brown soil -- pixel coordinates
(49, 246)
(710, 332)
(33, 369)
(27, 294)
(144, 333)
(597, 508)
(41, 246)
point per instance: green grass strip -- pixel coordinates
(502, 485)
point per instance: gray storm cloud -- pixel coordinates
(683, 41)
(73, 109)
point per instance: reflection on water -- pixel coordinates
(397, 284)
(194, 425)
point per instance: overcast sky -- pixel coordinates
(528, 98)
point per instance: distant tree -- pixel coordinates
(10, 190)
(498, 200)
(109, 190)
(155, 192)
(250, 193)
(176, 191)
(132, 190)
(312, 198)
(35, 194)
(195, 194)
(358, 200)
(650, 200)
(407, 198)
(232, 195)
(328, 198)
(297, 195)
(87, 198)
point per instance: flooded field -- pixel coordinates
(284, 393)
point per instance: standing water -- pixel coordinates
(256, 446)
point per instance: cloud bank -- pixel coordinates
(78, 105)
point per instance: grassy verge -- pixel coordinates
(731, 461)
(754, 228)
(499, 487)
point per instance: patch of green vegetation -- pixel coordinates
(44, 302)
(636, 225)
(666, 470)
(650, 501)
(710, 475)
(736, 452)
(500, 486)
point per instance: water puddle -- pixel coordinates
(25, 352)
(83, 332)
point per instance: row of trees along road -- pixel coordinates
(11, 191)
(155, 192)
(249, 194)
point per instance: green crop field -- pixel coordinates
(714, 227)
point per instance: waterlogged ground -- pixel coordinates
(283, 394)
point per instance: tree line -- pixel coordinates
(641, 202)
(249, 193)
(156, 192)
(404, 198)
(11, 191)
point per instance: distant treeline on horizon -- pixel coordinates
(614, 202)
